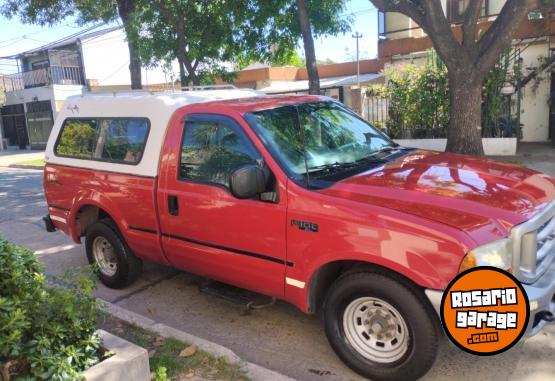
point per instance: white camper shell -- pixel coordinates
(158, 108)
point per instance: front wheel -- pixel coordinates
(380, 328)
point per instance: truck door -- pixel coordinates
(205, 229)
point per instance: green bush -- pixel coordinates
(46, 333)
(419, 99)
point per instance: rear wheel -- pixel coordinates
(380, 328)
(115, 264)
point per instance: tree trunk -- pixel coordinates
(134, 66)
(308, 42)
(465, 125)
(196, 80)
(182, 53)
(126, 8)
(192, 75)
(182, 76)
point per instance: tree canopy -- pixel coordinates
(276, 31)
(204, 35)
(50, 12)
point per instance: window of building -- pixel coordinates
(457, 8)
(381, 26)
(120, 140)
(40, 65)
(212, 149)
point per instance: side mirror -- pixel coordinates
(248, 181)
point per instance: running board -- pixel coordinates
(247, 300)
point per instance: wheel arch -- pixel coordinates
(88, 211)
(323, 278)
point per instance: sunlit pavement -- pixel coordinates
(280, 337)
(8, 158)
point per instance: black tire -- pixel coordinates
(128, 268)
(422, 325)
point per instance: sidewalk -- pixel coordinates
(8, 158)
(538, 156)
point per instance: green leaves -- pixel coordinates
(418, 97)
(51, 329)
(216, 32)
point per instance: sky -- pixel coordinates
(343, 47)
(16, 37)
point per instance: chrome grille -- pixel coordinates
(534, 245)
(546, 240)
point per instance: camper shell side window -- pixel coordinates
(116, 140)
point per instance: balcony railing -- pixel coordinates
(53, 75)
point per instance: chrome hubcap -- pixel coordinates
(105, 257)
(376, 330)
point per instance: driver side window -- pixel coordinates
(212, 149)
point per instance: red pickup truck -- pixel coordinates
(298, 198)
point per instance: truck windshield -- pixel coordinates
(319, 139)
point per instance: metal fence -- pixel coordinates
(53, 75)
(377, 111)
(381, 112)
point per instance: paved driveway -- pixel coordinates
(280, 337)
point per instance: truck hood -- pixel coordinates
(479, 196)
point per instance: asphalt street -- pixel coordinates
(279, 337)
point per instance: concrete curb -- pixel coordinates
(38, 168)
(255, 372)
(129, 361)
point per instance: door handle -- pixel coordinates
(173, 205)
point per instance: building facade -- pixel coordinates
(48, 75)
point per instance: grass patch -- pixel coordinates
(164, 354)
(39, 163)
(516, 162)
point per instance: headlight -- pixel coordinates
(497, 254)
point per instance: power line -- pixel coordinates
(56, 42)
(71, 36)
(28, 34)
(34, 39)
(359, 12)
(95, 42)
(19, 39)
(114, 73)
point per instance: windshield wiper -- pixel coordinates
(389, 149)
(332, 166)
(351, 164)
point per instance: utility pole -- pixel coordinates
(358, 36)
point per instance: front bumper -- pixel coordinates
(541, 294)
